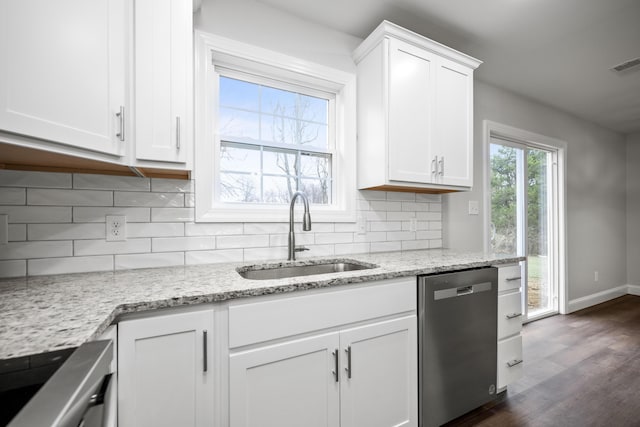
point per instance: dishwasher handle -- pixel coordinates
(460, 291)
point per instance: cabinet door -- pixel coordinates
(288, 384)
(63, 73)
(411, 93)
(379, 387)
(453, 125)
(163, 35)
(165, 371)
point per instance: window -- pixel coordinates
(273, 142)
(268, 125)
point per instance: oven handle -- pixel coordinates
(81, 383)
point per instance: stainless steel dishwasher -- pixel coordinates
(457, 343)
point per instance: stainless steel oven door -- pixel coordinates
(77, 394)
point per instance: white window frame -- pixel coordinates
(214, 51)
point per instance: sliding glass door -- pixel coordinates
(522, 203)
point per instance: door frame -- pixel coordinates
(559, 209)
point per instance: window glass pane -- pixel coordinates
(235, 158)
(239, 94)
(318, 191)
(278, 189)
(239, 125)
(315, 166)
(279, 162)
(235, 187)
(277, 101)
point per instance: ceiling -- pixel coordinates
(558, 52)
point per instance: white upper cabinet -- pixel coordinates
(163, 83)
(64, 72)
(415, 113)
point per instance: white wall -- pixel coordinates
(633, 209)
(596, 189)
(255, 23)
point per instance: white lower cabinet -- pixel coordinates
(364, 376)
(510, 311)
(165, 370)
(362, 372)
(286, 384)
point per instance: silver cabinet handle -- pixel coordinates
(434, 166)
(178, 133)
(120, 115)
(513, 315)
(348, 368)
(511, 279)
(204, 351)
(336, 371)
(441, 173)
(514, 362)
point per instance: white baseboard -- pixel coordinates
(633, 289)
(600, 297)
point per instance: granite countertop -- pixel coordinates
(47, 313)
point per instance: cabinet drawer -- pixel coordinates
(509, 314)
(509, 277)
(287, 316)
(510, 363)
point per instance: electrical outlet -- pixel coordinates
(413, 224)
(596, 276)
(474, 207)
(116, 228)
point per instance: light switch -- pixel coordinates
(4, 229)
(474, 207)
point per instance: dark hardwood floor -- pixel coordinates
(581, 369)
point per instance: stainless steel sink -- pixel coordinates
(279, 271)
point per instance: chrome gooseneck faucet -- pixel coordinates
(306, 224)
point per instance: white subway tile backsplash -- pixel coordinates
(110, 182)
(26, 250)
(410, 245)
(76, 264)
(171, 186)
(13, 196)
(10, 178)
(55, 197)
(242, 241)
(386, 206)
(84, 214)
(17, 233)
(65, 231)
(352, 248)
(36, 214)
(172, 214)
(136, 198)
(13, 268)
(155, 229)
(211, 257)
(213, 229)
(172, 244)
(423, 197)
(401, 196)
(269, 254)
(102, 247)
(415, 207)
(326, 238)
(401, 235)
(385, 225)
(386, 246)
(429, 235)
(151, 260)
(64, 220)
(270, 227)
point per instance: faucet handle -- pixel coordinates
(301, 248)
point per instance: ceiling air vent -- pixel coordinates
(626, 65)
